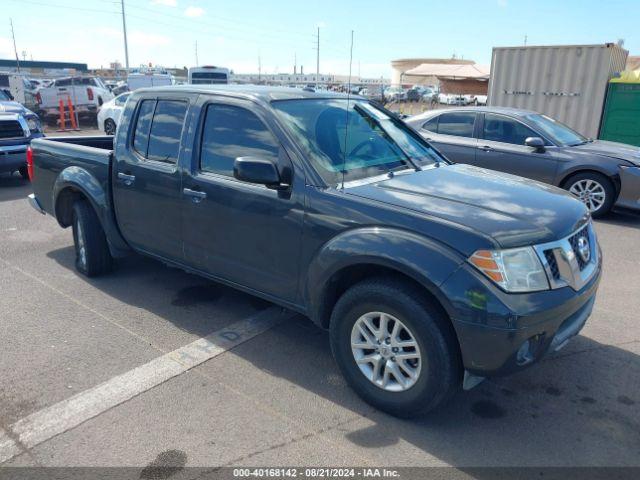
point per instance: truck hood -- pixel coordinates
(15, 107)
(621, 151)
(511, 210)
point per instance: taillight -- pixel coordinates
(39, 98)
(30, 163)
(90, 93)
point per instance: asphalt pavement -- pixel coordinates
(150, 364)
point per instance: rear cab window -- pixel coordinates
(158, 129)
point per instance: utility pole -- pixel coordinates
(525, 40)
(318, 57)
(197, 62)
(259, 68)
(126, 46)
(15, 49)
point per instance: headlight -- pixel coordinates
(515, 270)
(34, 124)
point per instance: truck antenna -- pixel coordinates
(346, 127)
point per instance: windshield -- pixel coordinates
(556, 131)
(4, 96)
(353, 136)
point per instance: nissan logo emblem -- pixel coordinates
(583, 249)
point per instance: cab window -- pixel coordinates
(159, 129)
(230, 132)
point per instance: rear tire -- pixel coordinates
(594, 190)
(433, 375)
(109, 127)
(93, 257)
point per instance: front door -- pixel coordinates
(501, 147)
(147, 180)
(240, 232)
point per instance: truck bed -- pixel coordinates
(90, 156)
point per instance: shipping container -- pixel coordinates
(565, 82)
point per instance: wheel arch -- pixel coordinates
(614, 178)
(375, 252)
(75, 183)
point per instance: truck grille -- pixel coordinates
(553, 264)
(571, 261)
(11, 129)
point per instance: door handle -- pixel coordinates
(127, 179)
(486, 148)
(196, 195)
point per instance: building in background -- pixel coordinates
(305, 79)
(401, 66)
(43, 69)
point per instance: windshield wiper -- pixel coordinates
(371, 118)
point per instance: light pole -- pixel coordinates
(126, 47)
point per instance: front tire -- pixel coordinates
(109, 127)
(93, 257)
(408, 375)
(594, 190)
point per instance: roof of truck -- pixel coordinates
(258, 92)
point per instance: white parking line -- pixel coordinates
(56, 419)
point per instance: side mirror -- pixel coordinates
(536, 143)
(257, 170)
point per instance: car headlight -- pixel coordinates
(515, 270)
(34, 124)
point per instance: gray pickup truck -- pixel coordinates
(430, 276)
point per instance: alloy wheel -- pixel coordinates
(589, 192)
(386, 351)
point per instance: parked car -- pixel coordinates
(396, 94)
(86, 94)
(428, 275)
(18, 126)
(148, 77)
(109, 113)
(601, 174)
(475, 100)
(414, 94)
(451, 99)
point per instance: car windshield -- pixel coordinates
(353, 137)
(558, 132)
(4, 96)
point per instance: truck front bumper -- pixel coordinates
(500, 333)
(12, 158)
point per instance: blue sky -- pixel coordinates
(235, 33)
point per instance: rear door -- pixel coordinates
(147, 177)
(243, 233)
(501, 147)
(453, 134)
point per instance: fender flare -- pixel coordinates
(80, 180)
(426, 261)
